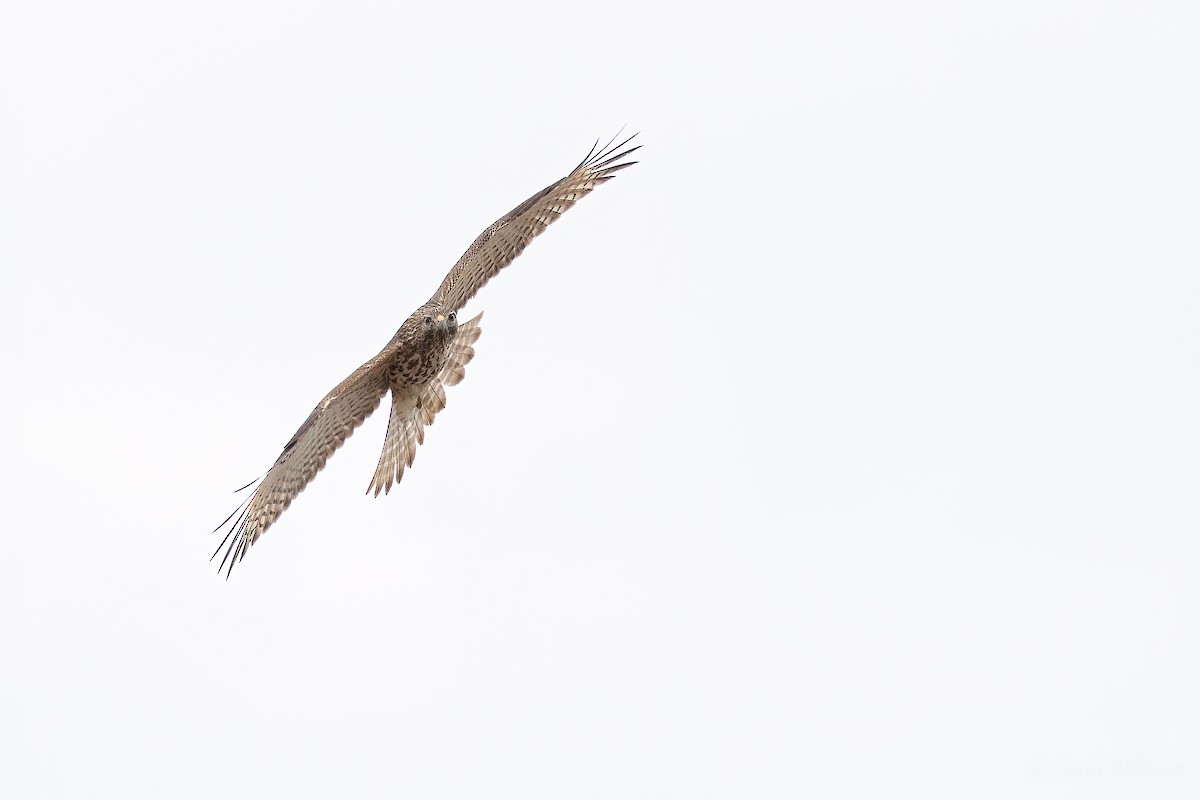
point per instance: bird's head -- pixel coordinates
(432, 322)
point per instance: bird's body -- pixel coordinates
(429, 352)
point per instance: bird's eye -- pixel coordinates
(429, 320)
(453, 315)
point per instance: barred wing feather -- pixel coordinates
(505, 238)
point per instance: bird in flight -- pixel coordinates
(429, 352)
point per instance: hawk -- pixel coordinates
(429, 352)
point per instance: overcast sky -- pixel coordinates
(844, 447)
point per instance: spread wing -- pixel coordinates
(326, 429)
(414, 407)
(504, 239)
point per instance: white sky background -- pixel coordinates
(844, 447)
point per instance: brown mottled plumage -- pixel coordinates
(429, 352)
